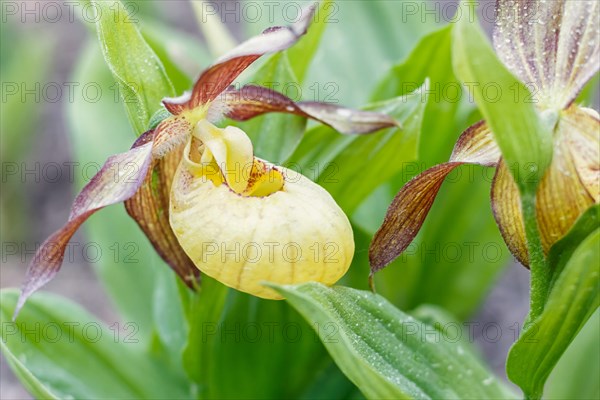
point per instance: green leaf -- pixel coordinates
(331, 384)
(442, 122)
(524, 138)
(570, 379)
(182, 55)
(562, 251)
(215, 32)
(302, 53)
(351, 167)
(58, 350)
(160, 45)
(263, 346)
(387, 353)
(142, 79)
(443, 321)
(573, 299)
(170, 303)
(206, 306)
(33, 385)
(361, 41)
(275, 136)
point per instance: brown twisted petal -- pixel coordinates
(217, 78)
(408, 210)
(118, 180)
(251, 101)
(149, 207)
(553, 45)
(565, 192)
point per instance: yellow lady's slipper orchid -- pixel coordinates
(196, 186)
(244, 221)
(554, 47)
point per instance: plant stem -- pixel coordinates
(533, 396)
(540, 274)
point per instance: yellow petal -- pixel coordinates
(583, 140)
(562, 196)
(297, 234)
(232, 151)
(566, 191)
(506, 206)
(264, 180)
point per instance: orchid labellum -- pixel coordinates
(554, 47)
(198, 191)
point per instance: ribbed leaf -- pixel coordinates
(301, 55)
(58, 350)
(574, 296)
(442, 122)
(571, 376)
(387, 353)
(361, 40)
(141, 76)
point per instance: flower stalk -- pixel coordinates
(540, 273)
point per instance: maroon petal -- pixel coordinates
(176, 105)
(219, 76)
(171, 133)
(150, 209)
(408, 210)
(251, 101)
(118, 180)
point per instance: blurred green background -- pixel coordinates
(61, 116)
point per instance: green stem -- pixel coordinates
(540, 273)
(533, 396)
